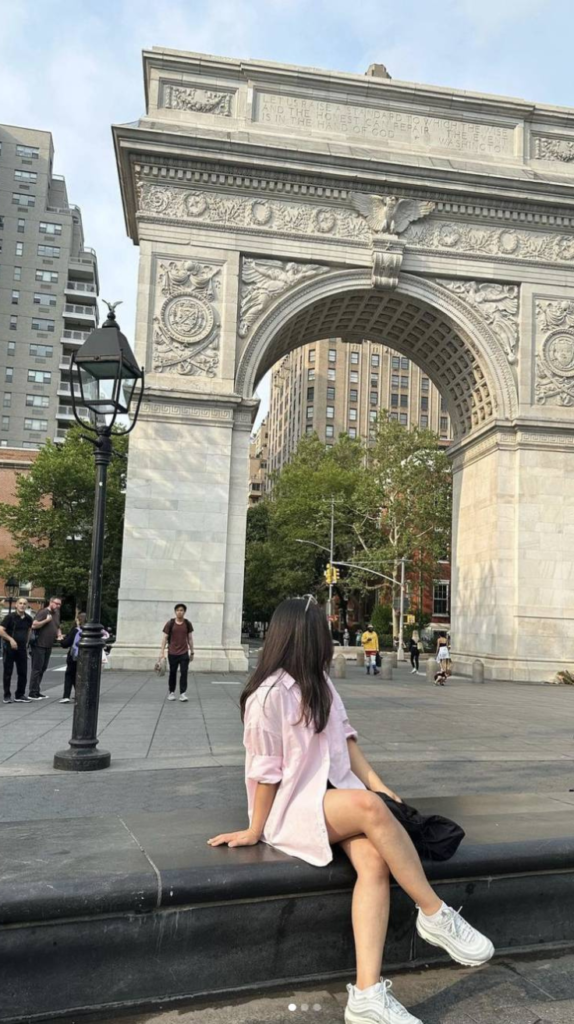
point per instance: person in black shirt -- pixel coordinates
(14, 632)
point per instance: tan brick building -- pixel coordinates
(13, 462)
(258, 458)
(330, 387)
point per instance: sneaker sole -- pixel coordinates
(363, 1018)
(452, 952)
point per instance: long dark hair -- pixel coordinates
(299, 642)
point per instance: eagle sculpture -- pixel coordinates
(388, 214)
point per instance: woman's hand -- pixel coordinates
(245, 838)
(389, 792)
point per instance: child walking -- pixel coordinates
(310, 787)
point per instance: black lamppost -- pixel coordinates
(107, 376)
(11, 590)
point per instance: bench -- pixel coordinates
(107, 912)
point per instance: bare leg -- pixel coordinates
(370, 913)
(356, 812)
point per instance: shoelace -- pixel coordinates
(460, 928)
(389, 1001)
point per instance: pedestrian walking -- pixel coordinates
(178, 639)
(310, 787)
(14, 631)
(415, 654)
(45, 631)
(358, 637)
(346, 637)
(71, 641)
(370, 642)
(443, 654)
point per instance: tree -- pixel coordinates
(51, 522)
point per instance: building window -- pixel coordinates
(19, 199)
(28, 152)
(41, 351)
(41, 425)
(396, 363)
(394, 400)
(395, 380)
(374, 380)
(51, 251)
(5, 423)
(355, 358)
(330, 394)
(39, 376)
(310, 375)
(352, 432)
(374, 399)
(354, 376)
(332, 355)
(403, 419)
(3, 443)
(329, 430)
(50, 229)
(373, 416)
(309, 429)
(47, 276)
(15, 297)
(17, 276)
(425, 384)
(424, 403)
(310, 394)
(440, 598)
(375, 359)
(393, 415)
(7, 398)
(424, 422)
(444, 425)
(44, 300)
(404, 401)
(41, 324)
(309, 412)
(19, 248)
(353, 393)
(9, 375)
(353, 415)
(330, 412)
(312, 355)
(404, 363)
(11, 348)
(28, 176)
(442, 404)
(404, 382)
(21, 225)
(39, 401)
(13, 323)
(331, 373)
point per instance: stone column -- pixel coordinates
(513, 579)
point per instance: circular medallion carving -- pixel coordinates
(187, 318)
(261, 212)
(449, 235)
(195, 204)
(559, 353)
(507, 242)
(325, 221)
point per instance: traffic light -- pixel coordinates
(329, 571)
(336, 574)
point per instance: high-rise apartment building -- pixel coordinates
(258, 457)
(330, 387)
(48, 290)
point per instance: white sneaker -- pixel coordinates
(413, 671)
(171, 696)
(184, 696)
(64, 700)
(381, 1007)
(451, 932)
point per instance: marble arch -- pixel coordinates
(276, 204)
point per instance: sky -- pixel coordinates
(73, 67)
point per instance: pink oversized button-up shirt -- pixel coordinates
(281, 749)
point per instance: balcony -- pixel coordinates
(75, 338)
(65, 412)
(75, 311)
(65, 389)
(60, 436)
(65, 362)
(82, 288)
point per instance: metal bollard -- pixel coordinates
(360, 657)
(432, 667)
(395, 659)
(478, 671)
(339, 666)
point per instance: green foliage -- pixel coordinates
(382, 619)
(51, 523)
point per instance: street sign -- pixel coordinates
(397, 604)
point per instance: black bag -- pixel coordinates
(434, 837)
(377, 659)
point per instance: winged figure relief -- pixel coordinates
(388, 214)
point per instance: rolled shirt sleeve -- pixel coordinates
(263, 743)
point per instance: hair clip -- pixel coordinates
(309, 599)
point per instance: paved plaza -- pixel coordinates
(424, 740)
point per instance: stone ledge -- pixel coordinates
(107, 912)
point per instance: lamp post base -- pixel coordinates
(82, 760)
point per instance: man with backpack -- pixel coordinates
(178, 638)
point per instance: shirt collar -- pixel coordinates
(282, 677)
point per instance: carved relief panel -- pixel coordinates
(555, 352)
(187, 325)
